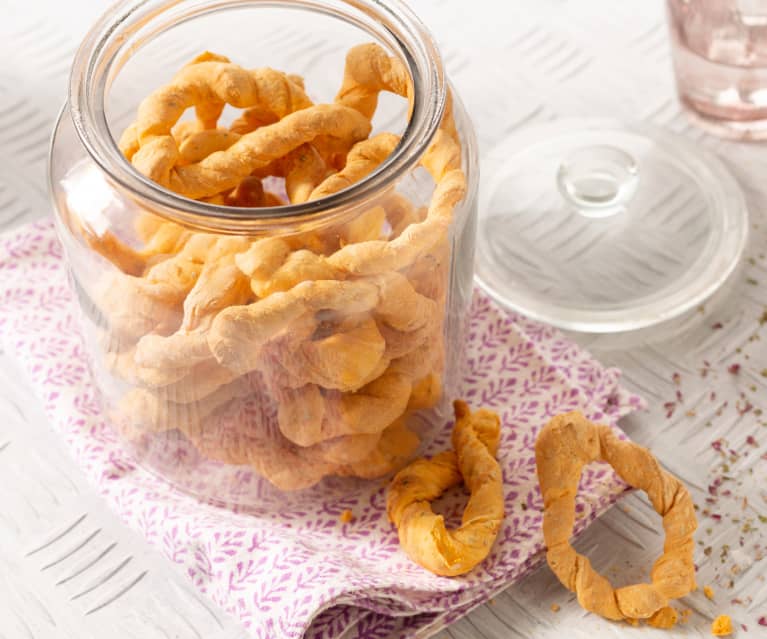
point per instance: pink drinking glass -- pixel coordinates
(719, 50)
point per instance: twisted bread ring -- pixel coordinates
(174, 352)
(211, 84)
(185, 385)
(345, 359)
(372, 256)
(207, 113)
(443, 161)
(426, 392)
(286, 466)
(135, 306)
(365, 456)
(396, 445)
(368, 225)
(368, 71)
(308, 416)
(238, 333)
(357, 350)
(364, 158)
(159, 235)
(158, 157)
(119, 360)
(291, 467)
(234, 439)
(220, 284)
(422, 534)
(376, 256)
(142, 411)
(303, 168)
(299, 266)
(563, 447)
(198, 145)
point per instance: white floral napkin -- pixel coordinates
(292, 569)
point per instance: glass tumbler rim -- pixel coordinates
(130, 24)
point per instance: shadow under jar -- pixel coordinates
(256, 325)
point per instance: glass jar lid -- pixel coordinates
(604, 227)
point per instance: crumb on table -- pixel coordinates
(722, 626)
(709, 592)
(346, 516)
(554, 607)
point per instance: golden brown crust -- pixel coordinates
(422, 534)
(563, 447)
(368, 71)
(364, 157)
(396, 445)
(158, 157)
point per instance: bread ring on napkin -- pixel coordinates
(422, 534)
(564, 446)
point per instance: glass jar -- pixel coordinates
(246, 352)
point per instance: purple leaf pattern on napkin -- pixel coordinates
(290, 568)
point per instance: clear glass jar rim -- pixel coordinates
(96, 61)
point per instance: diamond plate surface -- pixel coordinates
(68, 568)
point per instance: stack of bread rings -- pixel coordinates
(342, 326)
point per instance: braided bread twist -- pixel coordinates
(423, 534)
(563, 447)
(368, 71)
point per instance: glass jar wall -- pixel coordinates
(273, 289)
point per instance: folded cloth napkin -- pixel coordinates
(289, 572)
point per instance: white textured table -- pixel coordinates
(514, 63)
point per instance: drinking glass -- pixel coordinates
(719, 50)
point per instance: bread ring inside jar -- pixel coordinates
(345, 357)
(395, 446)
(309, 415)
(563, 447)
(423, 534)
